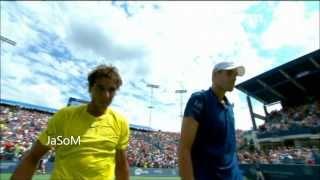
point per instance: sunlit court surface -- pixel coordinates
(149, 90)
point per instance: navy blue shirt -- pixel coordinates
(213, 151)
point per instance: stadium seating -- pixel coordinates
(304, 119)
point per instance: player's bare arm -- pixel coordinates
(122, 166)
(27, 167)
(188, 133)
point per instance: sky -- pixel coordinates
(172, 44)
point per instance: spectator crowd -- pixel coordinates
(281, 155)
(155, 149)
(19, 128)
(293, 119)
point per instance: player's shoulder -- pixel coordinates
(117, 114)
(198, 94)
(72, 109)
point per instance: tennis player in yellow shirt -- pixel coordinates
(90, 140)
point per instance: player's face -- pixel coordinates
(103, 91)
(227, 79)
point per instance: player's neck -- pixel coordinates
(95, 110)
(219, 92)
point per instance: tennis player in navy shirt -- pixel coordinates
(207, 149)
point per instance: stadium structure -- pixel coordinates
(296, 86)
(292, 84)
